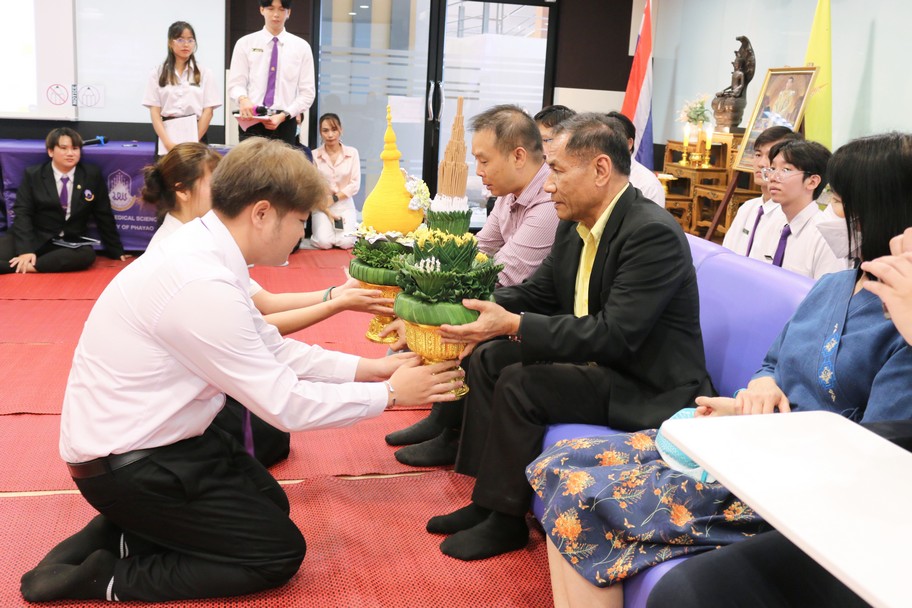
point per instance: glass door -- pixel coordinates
(493, 53)
(424, 54)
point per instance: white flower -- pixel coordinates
(421, 196)
(430, 264)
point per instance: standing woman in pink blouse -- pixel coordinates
(341, 166)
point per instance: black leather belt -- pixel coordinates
(102, 466)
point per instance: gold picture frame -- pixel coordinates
(782, 101)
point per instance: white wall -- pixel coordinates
(695, 42)
(118, 43)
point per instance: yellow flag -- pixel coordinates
(818, 117)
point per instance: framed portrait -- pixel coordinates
(782, 102)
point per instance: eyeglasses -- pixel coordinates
(783, 174)
(190, 41)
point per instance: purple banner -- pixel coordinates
(120, 162)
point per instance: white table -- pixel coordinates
(839, 492)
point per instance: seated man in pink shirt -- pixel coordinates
(519, 232)
(509, 160)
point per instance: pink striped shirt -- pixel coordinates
(520, 230)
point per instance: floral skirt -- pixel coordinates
(613, 507)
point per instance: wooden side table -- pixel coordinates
(709, 196)
(695, 175)
(680, 203)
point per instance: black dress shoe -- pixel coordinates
(437, 452)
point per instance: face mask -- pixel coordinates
(836, 234)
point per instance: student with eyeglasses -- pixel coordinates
(758, 211)
(181, 88)
(796, 177)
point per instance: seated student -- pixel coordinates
(519, 232)
(796, 176)
(185, 512)
(757, 211)
(768, 570)
(546, 119)
(54, 203)
(641, 178)
(178, 185)
(838, 353)
(606, 331)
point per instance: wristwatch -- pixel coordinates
(287, 115)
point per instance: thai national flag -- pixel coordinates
(638, 99)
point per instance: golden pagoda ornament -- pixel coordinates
(386, 208)
(385, 232)
(449, 211)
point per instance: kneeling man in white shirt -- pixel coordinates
(185, 511)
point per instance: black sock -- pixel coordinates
(461, 519)
(87, 581)
(98, 534)
(499, 533)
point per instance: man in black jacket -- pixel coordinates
(53, 205)
(606, 331)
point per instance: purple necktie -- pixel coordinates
(64, 195)
(780, 250)
(269, 99)
(248, 433)
(750, 241)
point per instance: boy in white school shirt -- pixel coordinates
(757, 211)
(185, 511)
(272, 71)
(796, 177)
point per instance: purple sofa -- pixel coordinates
(744, 304)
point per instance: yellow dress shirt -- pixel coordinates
(591, 239)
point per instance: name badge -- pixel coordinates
(257, 50)
(745, 231)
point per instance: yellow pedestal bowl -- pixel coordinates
(425, 340)
(379, 322)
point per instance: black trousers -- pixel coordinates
(764, 571)
(286, 132)
(270, 445)
(506, 411)
(201, 518)
(50, 257)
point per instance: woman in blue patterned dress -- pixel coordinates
(617, 504)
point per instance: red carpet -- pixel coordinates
(33, 377)
(353, 450)
(52, 321)
(32, 460)
(366, 547)
(85, 285)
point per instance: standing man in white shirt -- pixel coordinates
(758, 211)
(185, 511)
(272, 74)
(796, 177)
(641, 178)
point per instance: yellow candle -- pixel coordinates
(686, 135)
(709, 137)
(699, 136)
